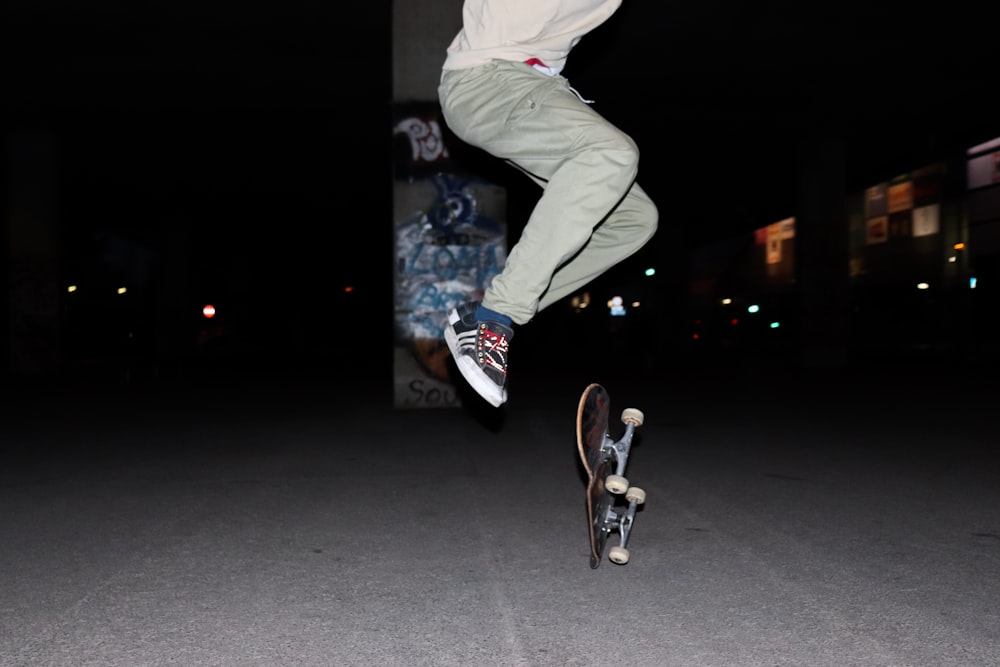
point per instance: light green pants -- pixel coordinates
(591, 214)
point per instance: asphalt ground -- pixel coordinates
(240, 521)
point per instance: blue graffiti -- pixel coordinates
(431, 297)
(479, 262)
(453, 218)
(447, 254)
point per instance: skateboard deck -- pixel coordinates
(611, 501)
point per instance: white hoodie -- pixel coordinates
(522, 30)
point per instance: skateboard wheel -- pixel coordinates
(616, 484)
(635, 494)
(633, 416)
(618, 555)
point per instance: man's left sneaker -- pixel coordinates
(480, 350)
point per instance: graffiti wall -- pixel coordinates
(449, 242)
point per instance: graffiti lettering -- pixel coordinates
(426, 143)
(478, 262)
(447, 252)
(434, 395)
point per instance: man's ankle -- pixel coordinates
(484, 314)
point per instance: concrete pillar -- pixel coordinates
(421, 31)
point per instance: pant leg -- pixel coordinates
(586, 165)
(624, 232)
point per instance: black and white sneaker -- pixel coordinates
(480, 351)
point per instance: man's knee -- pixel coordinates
(647, 216)
(652, 216)
(625, 154)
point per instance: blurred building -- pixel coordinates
(919, 280)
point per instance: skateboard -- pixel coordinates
(611, 502)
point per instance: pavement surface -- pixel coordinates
(789, 521)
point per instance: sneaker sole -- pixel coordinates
(470, 369)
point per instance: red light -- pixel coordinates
(696, 336)
(735, 321)
(208, 311)
(349, 289)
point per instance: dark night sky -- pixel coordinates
(262, 128)
(740, 90)
(251, 98)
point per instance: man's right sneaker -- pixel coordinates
(480, 351)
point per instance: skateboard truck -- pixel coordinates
(604, 460)
(617, 484)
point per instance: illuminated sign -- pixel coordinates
(901, 197)
(983, 166)
(877, 230)
(927, 220)
(774, 244)
(876, 200)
